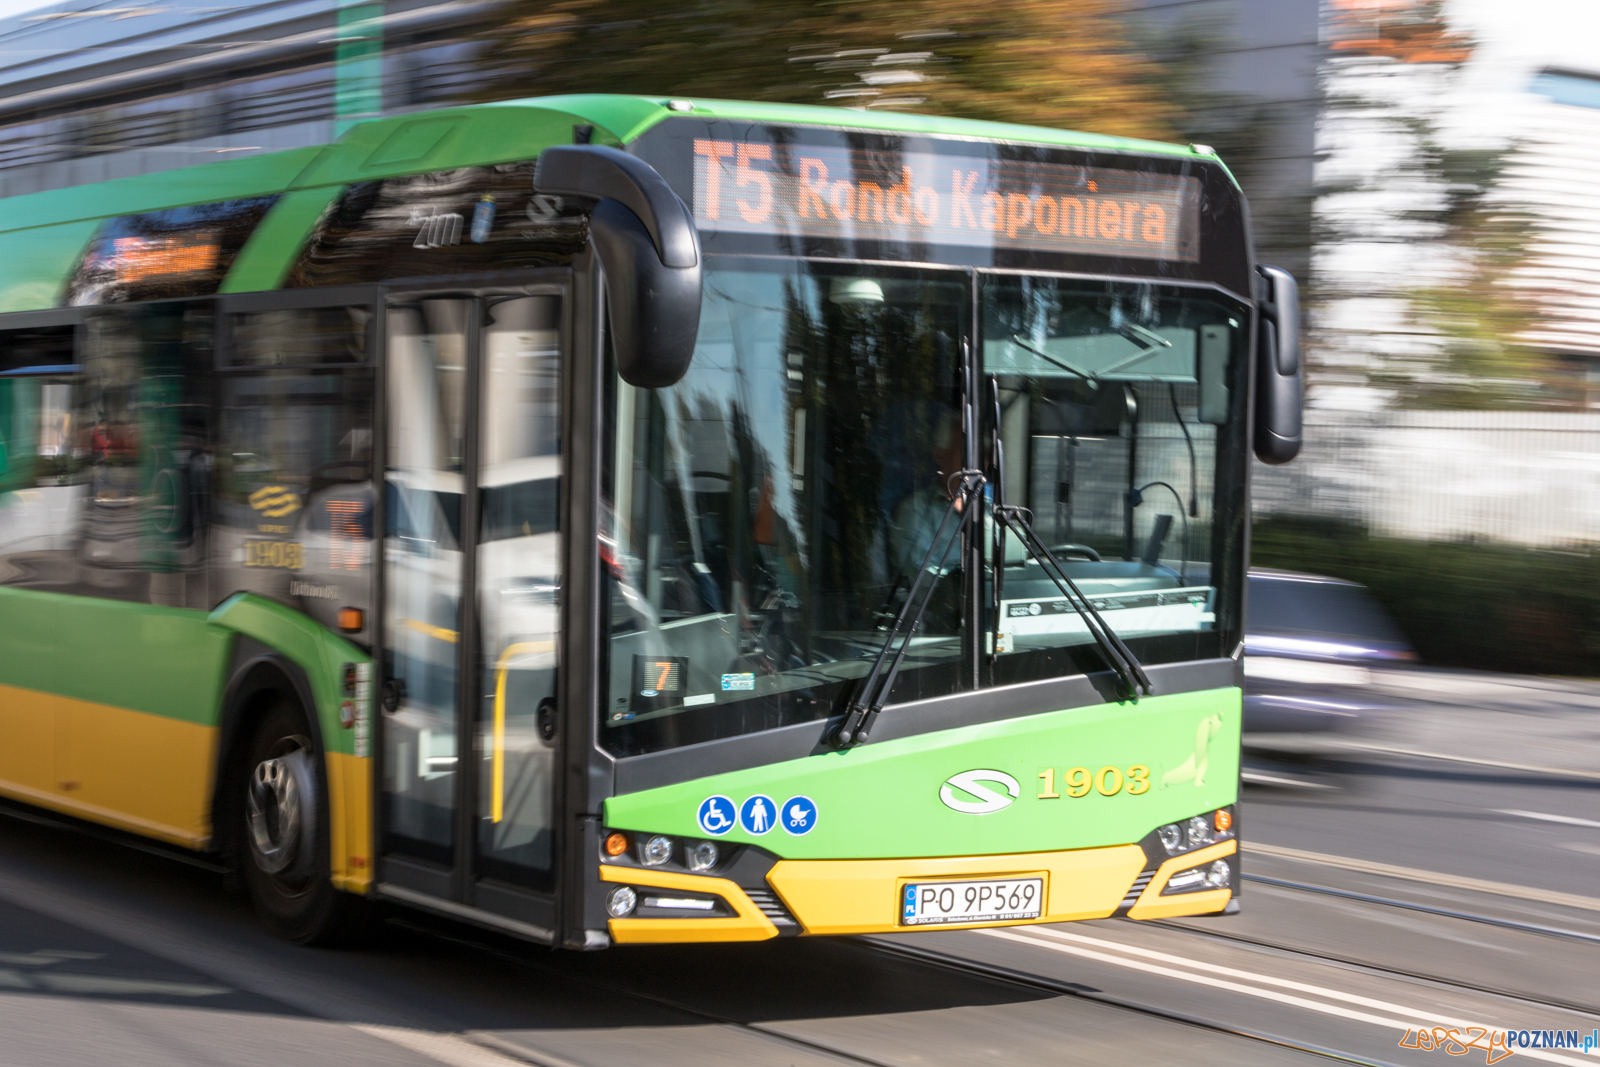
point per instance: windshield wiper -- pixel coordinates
(1130, 675)
(1121, 660)
(966, 488)
(1087, 376)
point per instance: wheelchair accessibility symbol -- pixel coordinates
(716, 816)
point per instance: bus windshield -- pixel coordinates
(1119, 411)
(769, 512)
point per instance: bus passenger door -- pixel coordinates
(474, 386)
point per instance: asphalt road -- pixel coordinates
(1442, 876)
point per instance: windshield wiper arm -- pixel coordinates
(1087, 376)
(1117, 655)
(1123, 663)
(966, 487)
(1152, 341)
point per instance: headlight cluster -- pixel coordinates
(658, 850)
(1196, 832)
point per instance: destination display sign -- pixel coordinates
(944, 198)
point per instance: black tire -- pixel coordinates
(283, 856)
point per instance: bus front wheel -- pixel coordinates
(283, 836)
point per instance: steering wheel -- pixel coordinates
(1075, 550)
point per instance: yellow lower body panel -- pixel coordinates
(863, 896)
(349, 821)
(145, 773)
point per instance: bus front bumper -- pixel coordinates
(863, 896)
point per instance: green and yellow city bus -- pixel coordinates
(617, 520)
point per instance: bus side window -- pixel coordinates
(146, 498)
(43, 446)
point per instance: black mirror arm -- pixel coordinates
(645, 239)
(601, 173)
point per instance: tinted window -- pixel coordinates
(1121, 415)
(301, 337)
(773, 507)
(106, 483)
(294, 466)
(1280, 605)
(183, 251)
(446, 222)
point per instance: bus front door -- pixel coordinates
(472, 476)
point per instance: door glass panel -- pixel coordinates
(518, 588)
(427, 361)
(294, 466)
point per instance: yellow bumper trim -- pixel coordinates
(747, 925)
(1152, 905)
(863, 896)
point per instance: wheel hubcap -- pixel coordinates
(274, 814)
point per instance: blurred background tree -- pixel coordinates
(1068, 64)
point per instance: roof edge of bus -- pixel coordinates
(372, 149)
(630, 117)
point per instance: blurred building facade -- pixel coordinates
(1336, 114)
(91, 91)
(1551, 176)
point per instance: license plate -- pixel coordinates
(983, 900)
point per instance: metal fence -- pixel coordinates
(1525, 477)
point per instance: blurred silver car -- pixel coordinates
(1312, 647)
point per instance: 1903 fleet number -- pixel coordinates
(1107, 781)
(280, 555)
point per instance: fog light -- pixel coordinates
(1223, 820)
(1199, 831)
(616, 843)
(703, 856)
(621, 902)
(656, 851)
(1171, 836)
(1194, 876)
(1218, 876)
(680, 903)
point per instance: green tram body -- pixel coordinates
(671, 592)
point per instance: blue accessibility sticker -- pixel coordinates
(757, 815)
(716, 816)
(798, 815)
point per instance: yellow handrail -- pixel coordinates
(429, 630)
(497, 801)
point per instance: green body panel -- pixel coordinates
(316, 651)
(35, 263)
(437, 140)
(162, 661)
(882, 800)
(266, 257)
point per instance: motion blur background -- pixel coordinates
(1425, 167)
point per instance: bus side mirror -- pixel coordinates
(645, 239)
(1280, 373)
